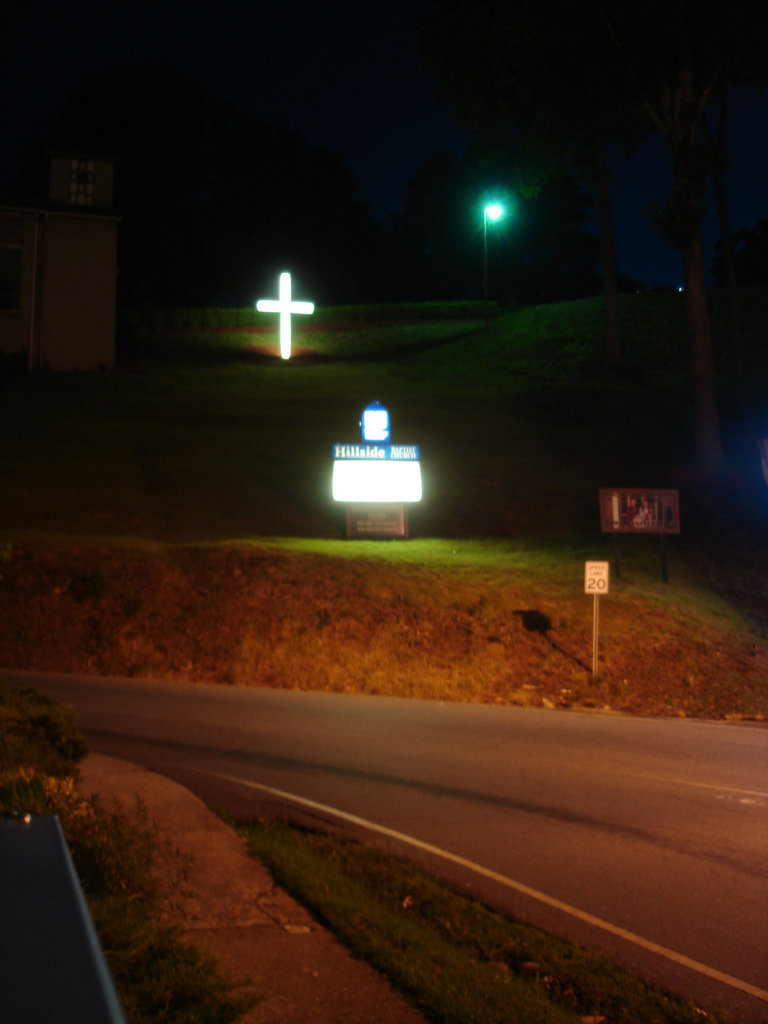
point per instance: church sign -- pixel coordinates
(376, 480)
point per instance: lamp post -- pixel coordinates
(491, 212)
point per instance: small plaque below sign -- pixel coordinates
(376, 521)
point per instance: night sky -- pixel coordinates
(344, 74)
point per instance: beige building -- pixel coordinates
(58, 270)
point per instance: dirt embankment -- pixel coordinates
(254, 617)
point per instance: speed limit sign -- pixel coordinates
(597, 577)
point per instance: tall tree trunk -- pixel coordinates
(726, 241)
(608, 263)
(734, 332)
(709, 451)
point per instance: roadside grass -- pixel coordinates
(497, 623)
(159, 978)
(38, 731)
(334, 341)
(176, 520)
(519, 426)
(381, 341)
(458, 961)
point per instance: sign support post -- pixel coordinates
(595, 632)
(596, 582)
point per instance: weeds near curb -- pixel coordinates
(458, 961)
(160, 979)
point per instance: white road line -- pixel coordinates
(509, 883)
(702, 785)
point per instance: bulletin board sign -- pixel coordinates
(639, 510)
(376, 522)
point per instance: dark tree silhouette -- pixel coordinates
(536, 76)
(213, 200)
(608, 70)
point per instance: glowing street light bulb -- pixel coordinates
(494, 211)
(285, 307)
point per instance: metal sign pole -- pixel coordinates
(595, 633)
(597, 577)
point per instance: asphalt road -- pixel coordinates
(647, 838)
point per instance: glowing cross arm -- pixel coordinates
(284, 306)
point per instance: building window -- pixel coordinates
(81, 182)
(11, 241)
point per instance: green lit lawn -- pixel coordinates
(519, 427)
(216, 448)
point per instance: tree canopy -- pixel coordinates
(566, 78)
(541, 250)
(213, 201)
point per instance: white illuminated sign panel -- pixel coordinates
(285, 306)
(372, 472)
(376, 480)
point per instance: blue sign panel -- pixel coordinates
(393, 452)
(375, 423)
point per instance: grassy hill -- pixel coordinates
(175, 518)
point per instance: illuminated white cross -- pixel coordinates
(284, 307)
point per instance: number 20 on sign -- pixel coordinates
(597, 577)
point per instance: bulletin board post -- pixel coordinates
(640, 510)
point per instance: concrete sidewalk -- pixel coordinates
(228, 903)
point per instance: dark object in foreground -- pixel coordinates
(52, 968)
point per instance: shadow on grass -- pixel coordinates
(263, 355)
(535, 621)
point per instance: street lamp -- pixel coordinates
(491, 212)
